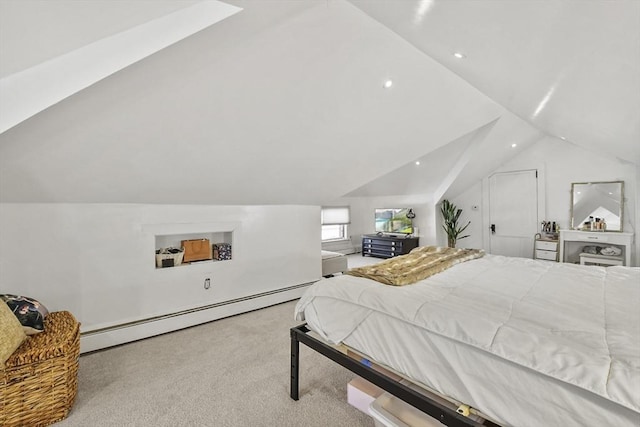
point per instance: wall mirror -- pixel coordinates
(602, 200)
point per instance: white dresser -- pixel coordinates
(545, 248)
(573, 241)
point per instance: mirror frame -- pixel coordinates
(573, 184)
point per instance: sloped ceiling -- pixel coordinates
(571, 68)
(427, 173)
(275, 104)
(488, 153)
(283, 102)
(53, 77)
(35, 31)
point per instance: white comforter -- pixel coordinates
(577, 324)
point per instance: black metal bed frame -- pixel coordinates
(433, 408)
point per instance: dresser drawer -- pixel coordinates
(548, 255)
(546, 246)
(596, 238)
(387, 246)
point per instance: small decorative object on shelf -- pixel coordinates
(192, 248)
(550, 228)
(594, 224)
(196, 250)
(169, 257)
(221, 251)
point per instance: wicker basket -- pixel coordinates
(40, 380)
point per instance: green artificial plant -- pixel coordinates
(451, 215)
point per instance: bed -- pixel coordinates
(333, 262)
(524, 342)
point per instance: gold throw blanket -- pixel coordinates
(420, 263)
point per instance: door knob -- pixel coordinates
(493, 229)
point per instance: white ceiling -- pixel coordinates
(570, 67)
(34, 31)
(425, 174)
(33, 88)
(283, 102)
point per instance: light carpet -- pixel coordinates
(231, 372)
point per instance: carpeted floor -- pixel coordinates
(231, 372)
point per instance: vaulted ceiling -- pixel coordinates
(283, 101)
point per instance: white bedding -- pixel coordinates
(527, 342)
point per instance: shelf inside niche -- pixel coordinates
(175, 241)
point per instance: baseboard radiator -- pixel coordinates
(144, 328)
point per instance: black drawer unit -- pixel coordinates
(387, 246)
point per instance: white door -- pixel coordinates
(513, 213)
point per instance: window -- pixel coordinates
(334, 232)
(334, 223)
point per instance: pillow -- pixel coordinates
(29, 312)
(11, 333)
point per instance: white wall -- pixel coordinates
(637, 209)
(560, 164)
(97, 260)
(363, 210)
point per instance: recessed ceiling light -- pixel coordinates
(417, 162)
(514, 145)
(564, 138)
(459, 55)
(387, 83)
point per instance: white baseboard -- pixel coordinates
(120, 334)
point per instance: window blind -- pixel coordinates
(335, 215)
